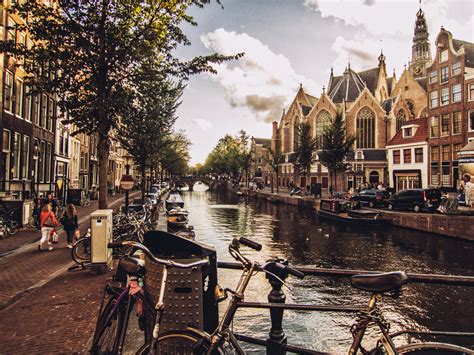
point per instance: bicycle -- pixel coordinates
(378, 284)
(111, 327)
(85, 200)
(81, 249)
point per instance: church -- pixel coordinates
(375, 107)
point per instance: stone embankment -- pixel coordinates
(458, 226)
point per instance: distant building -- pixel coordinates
(260, 170)
(407, 154)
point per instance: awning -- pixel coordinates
(406, 174)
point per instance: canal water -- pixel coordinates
(303, 239)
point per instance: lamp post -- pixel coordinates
(37, 159)
(127, 172)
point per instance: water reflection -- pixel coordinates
(299, 236)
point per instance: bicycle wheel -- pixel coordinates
(433, 348)
(180, 343)
(12, 227)
(81, 251)
(108, 329)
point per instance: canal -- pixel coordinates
(301, 238)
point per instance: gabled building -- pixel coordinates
(450, 107)
(260, 170)
(407, 154)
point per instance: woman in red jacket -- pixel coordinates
(47, 223)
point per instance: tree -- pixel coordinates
(276, 158)
(246, 155)
(145, 130)
(307, 146)
(174, 157)
(335, 146)
(225, 157)
(88, 52)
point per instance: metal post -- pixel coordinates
(127, 172)
(277, 337)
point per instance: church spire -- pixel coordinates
(421, 49)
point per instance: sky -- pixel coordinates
(292, 42)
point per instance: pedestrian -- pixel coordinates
(47, 223)
(469, 190)
(54, 204)
(70, 224)
(36, 212)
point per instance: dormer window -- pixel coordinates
(443, 56)
(408, 132)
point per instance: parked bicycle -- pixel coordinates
(9, 224)
(81, 249)
(112, 323)
(85, 200)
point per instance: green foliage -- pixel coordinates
(307, 146)
(91, 53)
(231, 156)
(335, 145)
(174, 157)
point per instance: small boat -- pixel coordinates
(174, 200)
(337, 210)
(187, 233)
(177, 218)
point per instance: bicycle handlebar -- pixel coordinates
(250, 243)
(289, 270)
(164, 262)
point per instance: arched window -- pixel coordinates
(401, 119)
(295, 136)
(323, 119)
(424, 113)
(374, 177)
(411, 107)
(365, 128)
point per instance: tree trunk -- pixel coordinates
(335, 181)
(142, 188)
(278, 188)
(103, 152)
(271, 182)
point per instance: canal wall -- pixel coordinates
(456, 226)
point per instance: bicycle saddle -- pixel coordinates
(385, 282)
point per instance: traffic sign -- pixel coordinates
(127, 182)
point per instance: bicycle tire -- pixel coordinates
(179, 343)
(433, 348)
(108, 329)
(12, 227)
(81, 251)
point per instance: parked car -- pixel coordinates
(151, 198)
(416, 200)
(155, 190)
(372, 198)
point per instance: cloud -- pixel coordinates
(262, 81)
(203, 124)
(368, 2)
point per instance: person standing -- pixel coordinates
(54, 204)
(47, 223)
(469, 190)
(70, 223)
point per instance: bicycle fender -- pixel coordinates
(200, 333)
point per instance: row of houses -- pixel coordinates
(412, 131)
(40, 154)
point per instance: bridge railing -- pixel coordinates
(276, 343)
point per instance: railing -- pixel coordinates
(277, 341)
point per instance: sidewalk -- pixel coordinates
(44, 308)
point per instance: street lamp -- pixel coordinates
(37, 159)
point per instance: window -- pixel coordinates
(456, 68)
(365, 128)
(11, 34)
(43, 161)
(433, 77)
(434, 175)
(434, 99)
(44, 110)
(445, 124)
(8, 103)
(434, 155)
(457, 122)
(396, 157)
(418, 155)
(444, 96)
(446, 178)
(471, 120)
(19, 98)
(406, 156)
(434, 127)
(16, 156)
(456, 89)
(407, 132)
(37, 110)
(25, 159)
(5, 155)
(456, 149)
(445, 156)
(323, 119)
(444, 75)
(48, 162)
(401, 119)
(443, 56)
(49, 123)
(28, 103)
(471, 92)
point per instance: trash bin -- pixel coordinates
(189, 296)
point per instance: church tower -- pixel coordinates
(421, 50)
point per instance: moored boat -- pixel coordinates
(337, 210)
(174, 200)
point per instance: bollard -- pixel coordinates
(277, 337)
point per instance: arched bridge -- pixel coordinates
(190, 181)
